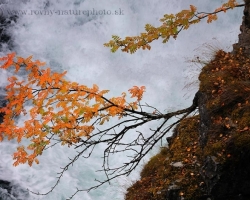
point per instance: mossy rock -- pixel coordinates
(174, 167)
(226, 83)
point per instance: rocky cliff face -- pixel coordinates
(244, 36)
(209, 154)
(208, 157)
(226, 158)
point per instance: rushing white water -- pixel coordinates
(75, 43)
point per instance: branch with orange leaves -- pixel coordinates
(67, 113)
(171, 26)
(61, 108)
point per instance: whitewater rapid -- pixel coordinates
(65, 35)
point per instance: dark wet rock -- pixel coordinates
(5, 36)
(211, 172)
(234, 181)
(5, 185)
(2, 104)
(205, 118)
(244, 36)
(10, 191)
(173, 194)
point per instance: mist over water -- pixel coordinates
(74, 43)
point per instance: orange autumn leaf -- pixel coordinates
(137, 92)
(9, 61)
(59, 107)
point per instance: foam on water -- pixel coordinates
(75, 43)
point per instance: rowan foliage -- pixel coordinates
(59, 108)
(57, 111)
(172, 25)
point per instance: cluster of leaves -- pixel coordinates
(57, 111)
(60, 110)
(171, 26)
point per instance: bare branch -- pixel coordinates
(113, 138)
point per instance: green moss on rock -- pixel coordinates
(226, 83)
(174, 167)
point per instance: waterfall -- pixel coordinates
(69, 35)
